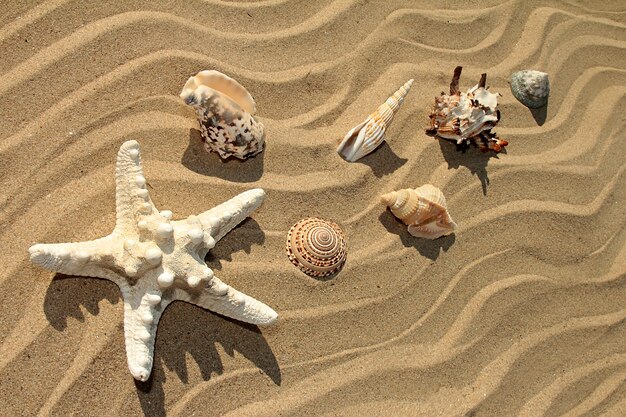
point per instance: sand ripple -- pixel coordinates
(522, 312)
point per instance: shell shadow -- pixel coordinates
(540, 114)
(197, 159)
(187, 330)
(67, 293)
(382, 161)
(247, 234)
(431, 249)
(472, 158)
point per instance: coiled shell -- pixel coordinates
(316, 246)
(224, 109)
(367, 136)
(531, 88)
(423, 209)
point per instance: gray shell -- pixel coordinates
(531, 88)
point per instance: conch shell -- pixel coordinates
(531, 88)
(423, 209)
(367, 136)
(317, 247)
(224, 108)
(467, 117)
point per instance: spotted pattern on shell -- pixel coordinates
(317, 247)
(224, 109)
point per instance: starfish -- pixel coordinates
(155, 261)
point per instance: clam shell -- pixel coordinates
(531, 88)
(467, 117)
(316, 246)
(224, 109)
(368, 135)
(423, 209)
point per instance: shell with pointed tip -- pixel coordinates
(224, 108)
(531, 88)
(368, 135)
(423, 209)
(318, 247)
(467, 117)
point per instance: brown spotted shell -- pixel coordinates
(318, 247)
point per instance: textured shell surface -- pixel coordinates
(317, 247)
(364, 138)
(531, 88)
(224, 109)
(467, 117)
(423, 209)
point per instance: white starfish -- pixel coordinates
(155, 261)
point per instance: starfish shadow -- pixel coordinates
(472, 158)
(197, 159)
(428, 248)
(66, 293)
(247, 234)
(382, 161)
(189, 331)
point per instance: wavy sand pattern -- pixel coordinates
(522, 312)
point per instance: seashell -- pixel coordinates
(367, 136)
(316, 246)
(224, 108)
(423, 209)
(531, 88)
(467, 117)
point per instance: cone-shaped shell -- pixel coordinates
(224, 109)
(531, 88)
(368, 135)
(423, 209)
(318, 247)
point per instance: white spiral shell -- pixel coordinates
(368, 135)
(317, 247)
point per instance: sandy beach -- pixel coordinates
(521, 312)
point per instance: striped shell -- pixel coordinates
(531, 88)
(318, 247)
(224, 108)
(423, 209)
(367, 136)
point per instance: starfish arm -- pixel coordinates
(142, 311)
(80, 258)
(227, 301)
(132, 200)
(222, 219)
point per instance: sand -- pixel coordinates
(521, 312)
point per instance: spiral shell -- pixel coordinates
(224, 109)
(316, 246)
(368, 135)
(531, 88)
(423, 209)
